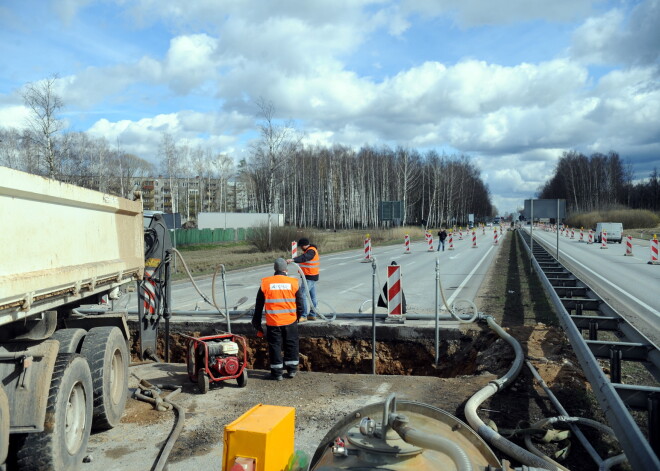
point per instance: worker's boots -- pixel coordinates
(291, 373)
(276, 375)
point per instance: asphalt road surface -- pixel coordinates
(345, 284)
(627, 283)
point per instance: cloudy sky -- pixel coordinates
(511, 83)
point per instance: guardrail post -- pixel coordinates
(615, 364)
(593, 330)
(654, 422)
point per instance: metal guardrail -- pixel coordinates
(583, 314)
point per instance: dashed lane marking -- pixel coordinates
(351, 289)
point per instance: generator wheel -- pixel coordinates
(70, 339)
(63, 443)
(242, 379)
(106, 351)
(203, 381)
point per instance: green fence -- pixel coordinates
(208, 236)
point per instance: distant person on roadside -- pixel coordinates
(281, 299)
(310, 264)
(442, 235)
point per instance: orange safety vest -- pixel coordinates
(311, 267)
(280, 305)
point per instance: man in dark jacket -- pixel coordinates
(310, 264)
(281, 299)
(442, 235)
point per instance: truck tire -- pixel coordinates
(63, 443)
(70, 339)
(106, 351)
(4, 426)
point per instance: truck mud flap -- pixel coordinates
(25, 372)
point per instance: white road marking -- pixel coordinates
(467, 278)
(351, 289)
(630, 296)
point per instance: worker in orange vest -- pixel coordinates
(281, 300)
(310, 264)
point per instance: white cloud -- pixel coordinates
(143, 137)
(613, 39)
(13, 116)
(190, 62)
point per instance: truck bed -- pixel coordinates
(62, 243)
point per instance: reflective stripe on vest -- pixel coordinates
(312, 266)
(280, 299)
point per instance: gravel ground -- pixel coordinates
(320, 399)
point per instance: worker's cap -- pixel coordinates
(303, 242)
(280, 264)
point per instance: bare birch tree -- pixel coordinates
(44, 104)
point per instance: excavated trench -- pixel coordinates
(464, 353)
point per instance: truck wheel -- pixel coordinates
(4, 426)
(63, 443)
(107, 354)
(70, 339)
(242, 379)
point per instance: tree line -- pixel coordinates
(339, 187)
(599, 182)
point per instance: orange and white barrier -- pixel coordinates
(430, 240)
(572, 233)
(451, 241)
(474, 239)
(495, 237)
(394, 296)
(582, 234)
(568, 233)
(460, 233)
(406, 244)
(294, 249)
(591, 236)
(654, 251)
(603, 240)
(628, 247)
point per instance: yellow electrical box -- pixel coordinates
(264, 433)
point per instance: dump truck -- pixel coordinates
(64, 373)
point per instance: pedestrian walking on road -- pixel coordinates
(442, 235)
(281, 299)
(310, 264)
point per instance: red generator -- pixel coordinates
(216, 358)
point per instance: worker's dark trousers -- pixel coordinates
(282, 337)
